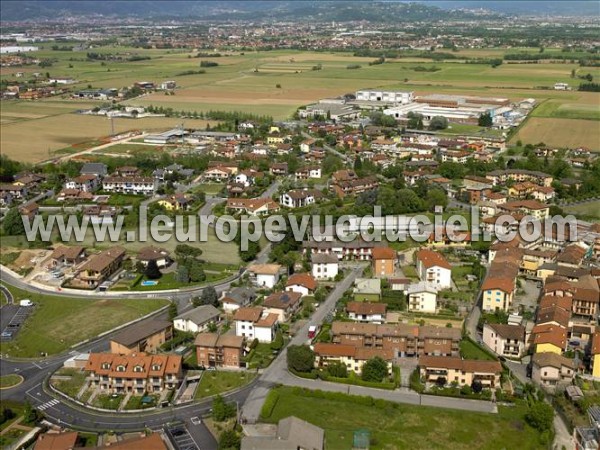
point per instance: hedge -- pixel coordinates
(358, 382)
(269, 404)
(308, 375)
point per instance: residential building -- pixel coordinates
(197, 320)
(464, 372)
(136, 373)
(284, 304)
(255, 323)
(292, 434)
(177, 202)
(349, 355)
(156, 254)
(308, 172)
(218, 174)
(549, 338)
(265, 275)
(225, 350)
(499, 286)
(67, 256)
(57, 441)
(355, 186)
(550, 369)
(434, 269)
(422, 297)
(324, 266)
(98, 169)
(384, 261)
(366, 312)
(303, 283)
(505, 340)
(253, 206)
(130, 185)
(85, 183)
(298, 198)
(146, 336)
(403, 339)
(236, 298)
(595, 354)
(100, 266)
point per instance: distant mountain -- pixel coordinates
(299, 10)
(538, 8)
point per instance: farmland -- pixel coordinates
(276, 83)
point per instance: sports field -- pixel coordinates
(276, 83)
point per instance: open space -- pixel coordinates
(395, 426)
(220, 381)
(57, 323)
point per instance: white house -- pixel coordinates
(130, 185)
(422, 297)
(197, 320)
(85, 183)
(265, 275)
(505, 340)
(255, 323)
(366, 312)
(433, 268)
(297, 198)
(325, 266)
(303, 283)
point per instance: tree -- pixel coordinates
(182, 275)
(229, 439)
(277, 343)
(358, 164)
(337, 369)
(441, 381)
(13, 222)
(300, 358)
(477, 386)
(485, 120)
(414, 120)
(30, 414)
(438, 123)
(196, 271)
(436, 197)
(152, 271)
(540, 416)
(209, 296)
(375, 369)
(172, 311)
(221, 410)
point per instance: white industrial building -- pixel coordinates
(397, 97)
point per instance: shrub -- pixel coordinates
(269, 404)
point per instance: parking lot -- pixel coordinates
(13, 317)
(181, 438)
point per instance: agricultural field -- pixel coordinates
(60, 322)
(276, 83)
(560, 132)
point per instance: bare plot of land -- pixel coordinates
(560, 133)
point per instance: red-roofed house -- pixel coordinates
(303, 283)
(433, 268)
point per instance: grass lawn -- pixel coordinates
(135, 402)
(261, 356)
(585, 210)
(469, 350)
(396, 426)
(169, 281)
(209, 188)
(219, 381)
(59, 322)
(10, 380)
(72, 386)
(410, 272)
(107, 401)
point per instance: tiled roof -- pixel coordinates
(431, 259)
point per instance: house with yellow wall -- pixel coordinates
(549, 338)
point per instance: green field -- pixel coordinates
(59, 322)
(584, 210)
(397, 426)
(219, 381)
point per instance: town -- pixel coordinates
(475, 334)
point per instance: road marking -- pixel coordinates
(49, 404)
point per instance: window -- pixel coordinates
(155, 366)
(120, 368)
(138, 369)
